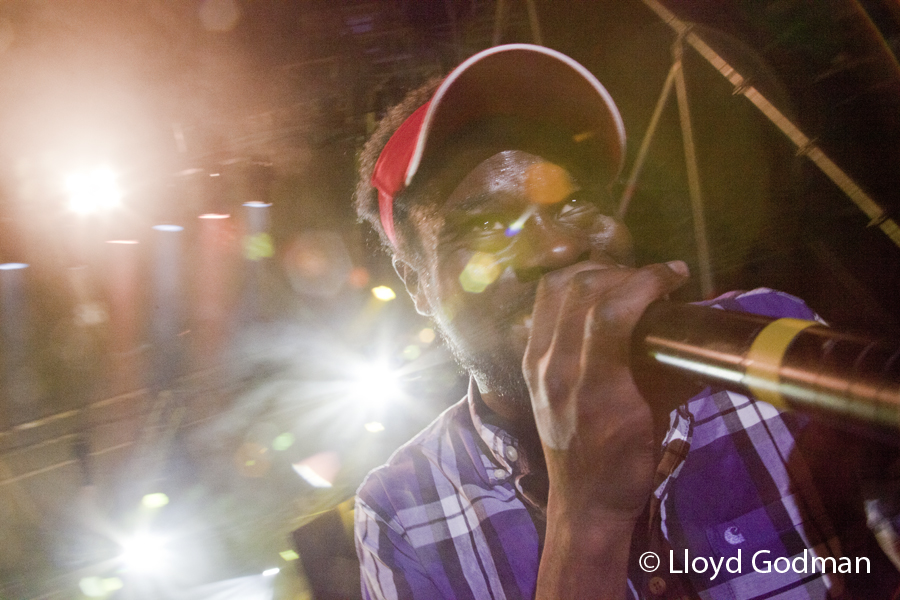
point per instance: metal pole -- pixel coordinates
(693, 173)
(535, 24)
(645, 143)
(805, 146)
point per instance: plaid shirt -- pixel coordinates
(449, 517)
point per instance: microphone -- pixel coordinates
(678, 349)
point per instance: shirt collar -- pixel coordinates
(505, 451)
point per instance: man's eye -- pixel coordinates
(581, 205)
(488, 227)
(487, 234)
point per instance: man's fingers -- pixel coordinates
(562, 301)
(611, 320)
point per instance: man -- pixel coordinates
(547, 480)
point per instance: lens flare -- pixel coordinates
(483, 269)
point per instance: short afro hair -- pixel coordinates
(366, 196)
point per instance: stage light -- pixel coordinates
(169, 228)
(257, 204)
(214, 216)
(144, 553)
(13, 266)
(123, 242)
(157, 500)
(377, 383)
(374, 427)
(271, 572)
(383, 293)
(91, 191)
(288, 555)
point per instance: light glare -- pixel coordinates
(376, 383)
(374, 427)
(144, 553)
(91, 191)
(157, 500)
(311, 477)
(168, 228)
(288, 555)
(271, 572)
(383, 293)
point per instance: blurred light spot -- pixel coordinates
(288, 555)
(358, 278)
(271, 572)
(96, 587)
(169, 228)
(426, 336)
(482, 270)
(214, 216)
(155, 500)
(257, 204)
(122, 242)
(374, 427)
(547, 183)
(252, 460)
(90, 313)
(320, 469)
(412, 352)
(219, 15)
(213, 174)
(90, 191)
(258, 246)
(283, 442)
(145, 553)
(13, 266)
(383, 293)
(317, 263)
(92, 587)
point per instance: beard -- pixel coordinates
(492, 361)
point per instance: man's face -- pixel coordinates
(512, 219)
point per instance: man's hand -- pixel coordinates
(595, 428)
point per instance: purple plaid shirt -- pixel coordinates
(449, 516)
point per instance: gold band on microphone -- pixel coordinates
(763, 361)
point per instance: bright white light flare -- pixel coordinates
(144, 553)
(93, 191)
(376, 384)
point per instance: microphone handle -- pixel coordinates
(678, 349)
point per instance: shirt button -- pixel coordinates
(511, 453)
(657, 586)
(500, 474)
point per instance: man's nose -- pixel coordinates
(545, 245)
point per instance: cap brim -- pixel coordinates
(533, 83)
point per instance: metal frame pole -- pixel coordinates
(805, 146)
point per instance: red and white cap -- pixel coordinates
(515, 80)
